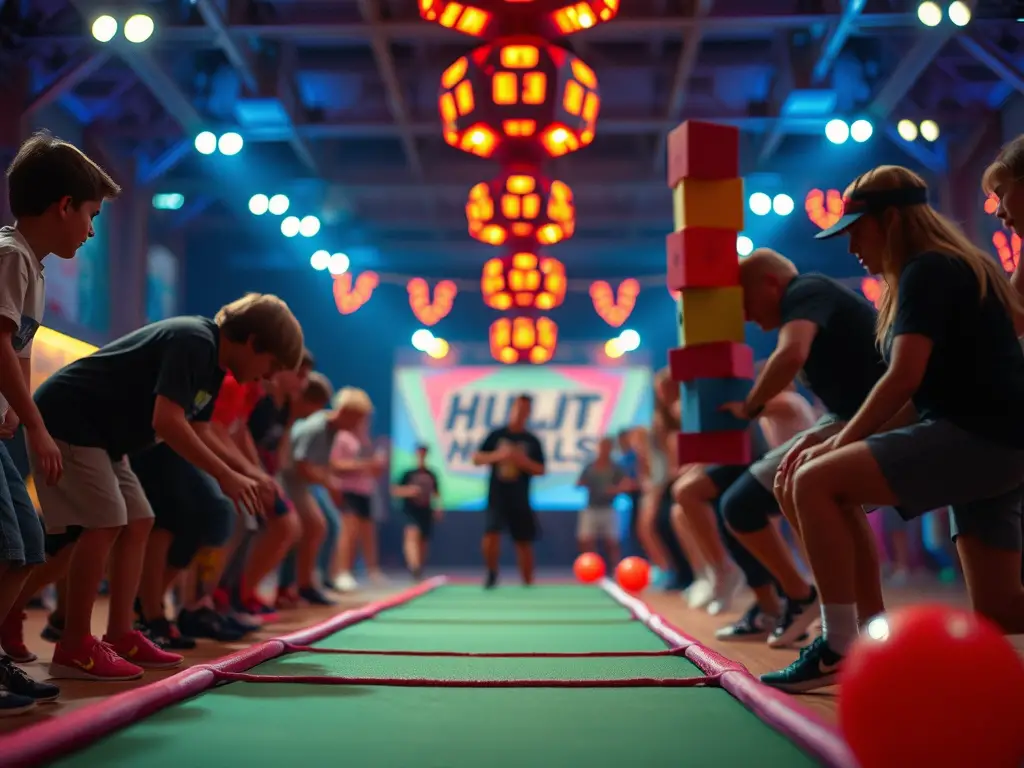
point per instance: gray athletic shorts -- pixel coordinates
(597, 523)
(934, 463)
(764, 469)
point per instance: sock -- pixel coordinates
(839, 626)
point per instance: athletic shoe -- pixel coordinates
(12, 638)
(208, 623)
(314, 596)
(346, 582)
(817, 667)
(796, 620)
(53, 630)
(166, 635)
(725, 587)
(18, 682)
(139, 649)
(257, 607)
(241, 622)
(754, 625)
(492, 580)
(699, 593)
(13, 704)
(92, 660)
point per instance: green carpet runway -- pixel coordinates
(278, 723)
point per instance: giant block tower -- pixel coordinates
(711, 363)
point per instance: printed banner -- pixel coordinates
(451, 411)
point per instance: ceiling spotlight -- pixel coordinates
(230, 143)
(929, 14)
(206, 143)
(139, 28)
(104, 29)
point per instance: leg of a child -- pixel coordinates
(281, 534)
(313, 532)
(368, 543)
(347, 543)
(993, 582)
(154, 581)
(88, 562)
(412, 548)
(126, 559)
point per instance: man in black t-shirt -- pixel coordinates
(827, 338)
(418, 489)
(157, 383)
(515, 455)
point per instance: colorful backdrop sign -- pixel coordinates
(451, 410)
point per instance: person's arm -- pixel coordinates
(930, 291)
(531, 461)
(784, 364)
(218, 440)
(488, 452)
(242, 439)
(171, 426)
(889, 398)
(14, 385)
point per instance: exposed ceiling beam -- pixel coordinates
(160, 84)
(911, 67)
(835, 39)
(370, 11)
(623, 28)
(785, 82)
(998, 62)
(67, 80)
(681, 80)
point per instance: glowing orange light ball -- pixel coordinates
(633, 574)
(589, 567)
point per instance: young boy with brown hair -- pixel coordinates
(143, 387)
(55, 192)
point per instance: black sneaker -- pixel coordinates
(17, 681)
(166, 635)
(817, 667)
(492, 580)
(53, 630)
(13, 704)
(754, 625)
(314, 596)
(207, 623)
(796, 620)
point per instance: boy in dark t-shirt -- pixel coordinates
(144, 387)
(515, 455)
(418, 488)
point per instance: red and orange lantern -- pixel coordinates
(489, 18)
(521, 204)
(523, 280)
(519, 89)
(523, 339)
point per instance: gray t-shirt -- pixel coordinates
(22, 293)
(311, 439)
(601, 482)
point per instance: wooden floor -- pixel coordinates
(757, 657)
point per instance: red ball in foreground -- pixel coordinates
(933, 685)
(633, 574)
(589, 567)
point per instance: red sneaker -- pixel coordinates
(136, 648)
(91, 660)
(12, 638)
(257, 607)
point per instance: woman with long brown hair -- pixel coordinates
(946, 328)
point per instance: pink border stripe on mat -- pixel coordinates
(64, 734)
(775, 708)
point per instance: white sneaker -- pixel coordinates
(346, 583)
(727, 585)
(699, 593)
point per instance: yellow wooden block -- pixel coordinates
(710, 204)
(707, 315)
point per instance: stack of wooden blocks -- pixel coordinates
(712, 364)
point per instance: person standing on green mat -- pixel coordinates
(515, 455)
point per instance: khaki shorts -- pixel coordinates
(598, 523)
(94, 492)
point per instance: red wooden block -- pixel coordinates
(717, 360)
(701, 258)
(699, 150)
(731, 448)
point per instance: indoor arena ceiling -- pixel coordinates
(337, 101)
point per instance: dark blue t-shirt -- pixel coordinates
(975, 374)
(106, 400)
(509, 487)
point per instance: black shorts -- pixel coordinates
(724, 475)
(421, 518)
(357, 504)
(521, 523)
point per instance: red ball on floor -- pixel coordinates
(633, 574)
(933, 685)
(589, 567)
